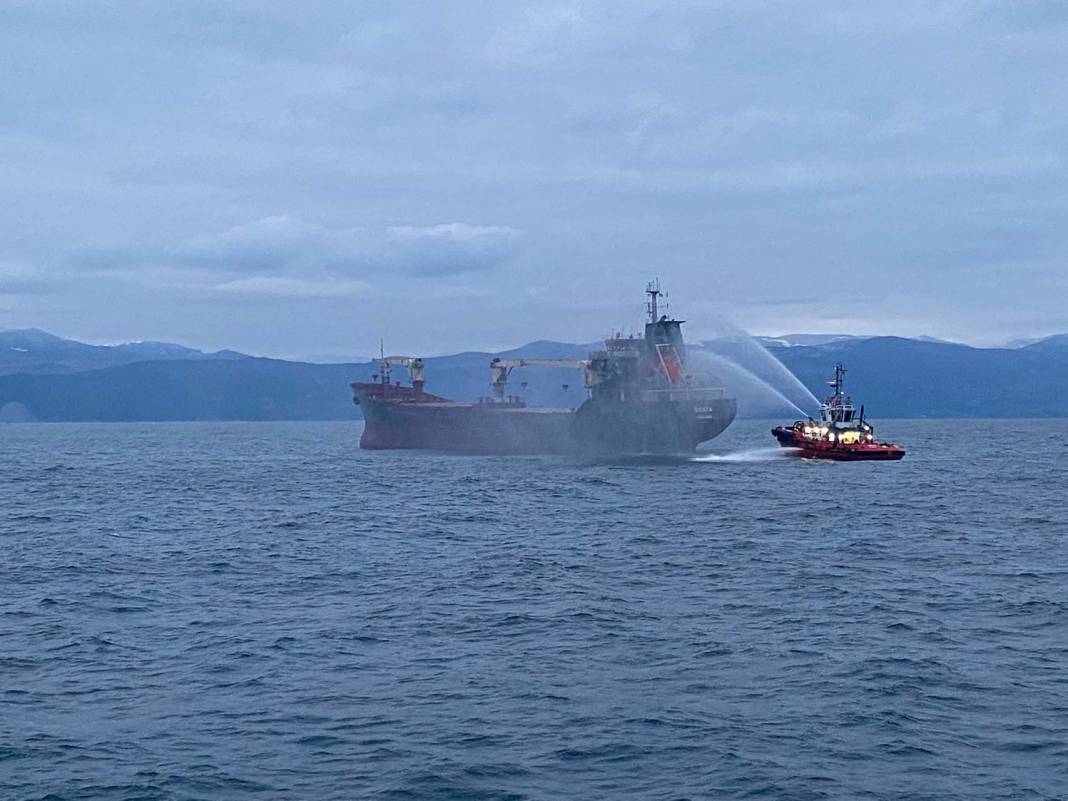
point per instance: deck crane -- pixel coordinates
(413, 363)
(500, 368)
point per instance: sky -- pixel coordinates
(306, 179)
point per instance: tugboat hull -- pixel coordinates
(852, 452)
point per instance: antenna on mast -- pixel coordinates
(383, 363)
(652, 289)
(839, 379)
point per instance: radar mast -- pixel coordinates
(652, 289)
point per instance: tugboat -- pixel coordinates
(840, 433)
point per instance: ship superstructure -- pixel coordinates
(640, 398)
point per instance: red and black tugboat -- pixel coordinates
(840, 433)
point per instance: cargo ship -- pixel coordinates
(841, 434)
(640, 399)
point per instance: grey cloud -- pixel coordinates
(283, 244)
(18, 278)
(735, 148)
(287, 287)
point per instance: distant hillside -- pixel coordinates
(897, 377)
(794, 340)
(251, 388)
(893, 377)
(29, 350)
(203, 389)
(1049, 344)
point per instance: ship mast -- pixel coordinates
(383, 363)
(652, 289)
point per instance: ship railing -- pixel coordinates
(507, 400)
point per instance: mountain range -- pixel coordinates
(30, 350)
(47, 378)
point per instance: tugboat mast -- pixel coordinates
(839, 380)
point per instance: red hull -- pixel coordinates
(823, 449)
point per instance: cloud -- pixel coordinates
(270, 244)
(283, 287)
(19, 278)
(448, 249)
(291, 246)
(735, 148)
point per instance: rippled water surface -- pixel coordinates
(230, 611)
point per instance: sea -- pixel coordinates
(263, 611)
